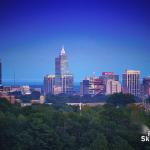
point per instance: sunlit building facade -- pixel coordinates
(67, 83)
(61, 63)
(112, 87)
(92, 86)
(49, 84)
(131, 82)
(63, 77)
(62, 81)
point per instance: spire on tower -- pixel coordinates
(62, 52)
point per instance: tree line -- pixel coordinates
(114, 126)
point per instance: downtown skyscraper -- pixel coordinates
(62, 81)
(63, 77)
(131, 82)
(92, 86)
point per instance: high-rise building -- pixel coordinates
(146, 86)
(61, 63)
(99, 86)
(49, 83)
(131, 82)
(63, 77)
(67, 83)
(112, 87)
(62, 81)
(84, 87)
(87, 87)
(108, 76)
(92, 86)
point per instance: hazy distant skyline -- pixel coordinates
(97, 35)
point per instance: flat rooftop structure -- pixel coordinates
(86, 104)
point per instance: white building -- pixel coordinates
(112, 87)
(49, 84)
(131, 82)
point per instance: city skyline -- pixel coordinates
(13, 79)
(104, 36)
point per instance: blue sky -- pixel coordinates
(98, 35)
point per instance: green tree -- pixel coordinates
(120, 99)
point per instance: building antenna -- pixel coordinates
(62, 52)
(94, 74)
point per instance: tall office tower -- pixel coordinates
(92, 86)
(86, 87)
(49, 84)
(0, 72)
(63, 78)
(99, 86)
(62, 81)
(61, 63)
(146, 86)
(67, 83)
(131, 82)
(109, 76)
(112, 87)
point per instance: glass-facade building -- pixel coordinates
(63, 77)
(92, 86)
(62, 81)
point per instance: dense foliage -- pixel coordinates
(120, 99)
(63, 98)
(43, 127)
(117, 99)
